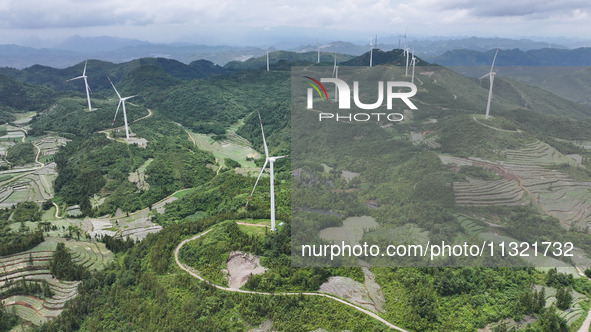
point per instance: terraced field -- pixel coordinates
(531, 170)
(481, 193)
(50, 144)
(33, 266)
(571, 314)
(36, 186)
(558, 194)
(38, 310)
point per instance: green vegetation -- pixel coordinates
(7, 321)
(26, 211)
(21, 154)
(62, 266)
(564, 299)
(463, 137)
(17, 96)
(404, 187)
(209, 255)
(478, 173)
(123, 290)
(39, 289)
(14, 242)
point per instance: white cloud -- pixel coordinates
(433, 17)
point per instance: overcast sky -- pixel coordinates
(257, 22)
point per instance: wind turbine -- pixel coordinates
(413, 62)
(269, 160)
(121, 101)
(85, 84)
(491, 75)
(405, 30)
(267, 51)
(318, 48)
(370, 52)
(335, 74)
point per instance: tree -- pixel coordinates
(62, 266)
(564, 298)
(47, 204)
(588, 273)
(550, 321)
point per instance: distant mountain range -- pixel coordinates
(564, 72)
(76, 49)
(516, 57)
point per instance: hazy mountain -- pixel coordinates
(91, 45)
(338, 47)
(516, 57)
(15, 56)
(436, 47)
(21, 57)
(380, 57)
(564, 72)
(98, 70)
(75, 49)
(429, 47)
(292, 58)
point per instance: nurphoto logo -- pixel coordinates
(343, 95)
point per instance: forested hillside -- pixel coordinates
(103, 218)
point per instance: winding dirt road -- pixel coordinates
(194, 273)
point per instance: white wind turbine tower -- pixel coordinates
(267, 52)
(121, 101)
(269, 160)
(85, 84)
(413, 62)
(318, 48)
(406, 52)
(491, 75)
(370, 52)
(335, 74)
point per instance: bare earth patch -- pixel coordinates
(240, 266)
(368, 295)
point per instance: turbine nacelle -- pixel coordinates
(272, 159)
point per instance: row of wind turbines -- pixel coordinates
(268, 159)
(121, 99)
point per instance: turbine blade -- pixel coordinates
(75, 78)
(113, 85)
(485, 75)
(117, 111)
(493, 63)
(84, 71)
(263, 132)
(257, 181)
(279, 157)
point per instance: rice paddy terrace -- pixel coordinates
(531, 173)
(32, 266)
(32, 182)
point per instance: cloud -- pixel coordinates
(527, 9)
(360, 17)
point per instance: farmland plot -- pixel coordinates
(33, 266)
(531, 168)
